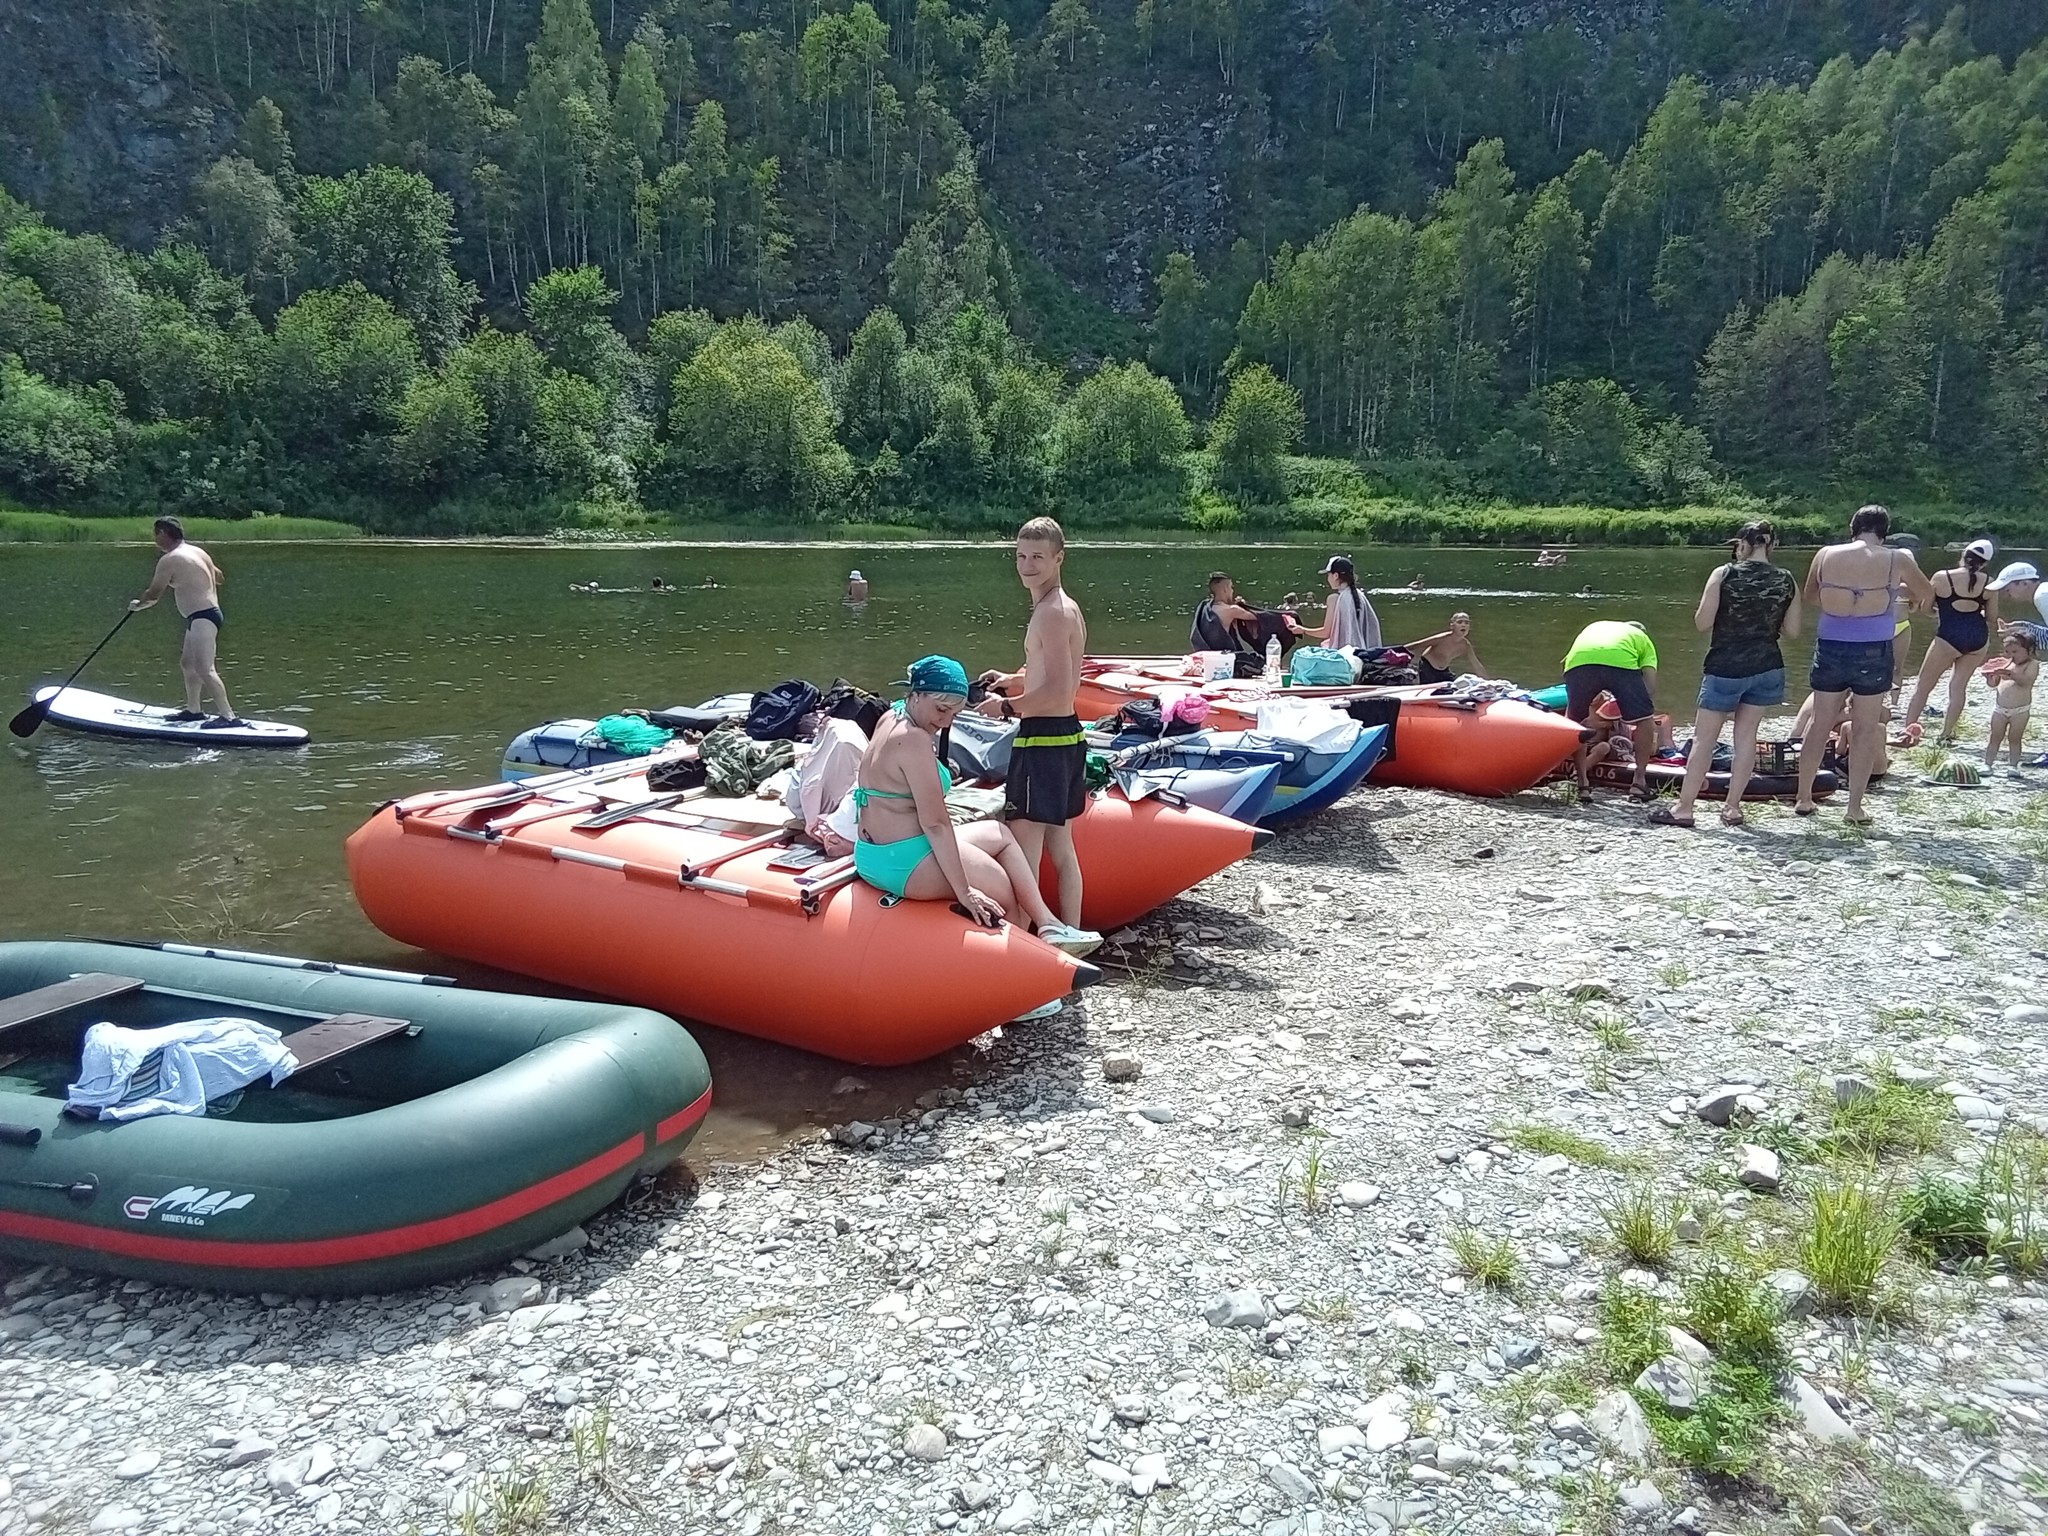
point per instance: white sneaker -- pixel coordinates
(1042, 1011)
(1077, 942)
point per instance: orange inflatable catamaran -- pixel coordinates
(1488, 748)
(590, 880)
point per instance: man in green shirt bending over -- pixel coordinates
(1615, 657)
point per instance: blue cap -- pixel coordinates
(936, 674)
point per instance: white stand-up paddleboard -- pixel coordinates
(80, 709)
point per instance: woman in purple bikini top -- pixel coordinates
(1871, 569)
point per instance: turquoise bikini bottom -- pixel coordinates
(889, 866)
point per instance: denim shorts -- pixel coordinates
(1861, 667)
(1723, 694)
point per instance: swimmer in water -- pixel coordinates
(1415, 582)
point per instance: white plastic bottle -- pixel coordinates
(1273, 662)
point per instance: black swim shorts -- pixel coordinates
(1048, 780)
(1584, 684)
(214, 615)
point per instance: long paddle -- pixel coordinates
(30, 720)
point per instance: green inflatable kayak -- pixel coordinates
(427, 1131)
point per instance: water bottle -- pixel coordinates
(1273, 662)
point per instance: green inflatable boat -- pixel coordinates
(427, 1131)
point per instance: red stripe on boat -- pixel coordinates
(307, 1253)
(683, 1119)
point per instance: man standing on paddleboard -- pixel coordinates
(188, 573)
(1048, 780)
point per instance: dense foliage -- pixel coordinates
(497, 266)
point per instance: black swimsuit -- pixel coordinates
(1967, 632)
(214, 615)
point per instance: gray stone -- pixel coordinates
(1236, 1309)
(1109, 1472)
(1158, 1114)
(117, 1517)
(138, 1464)
(1356, 1196)
(1674, 1382)
(1121, 1067)
(1398, 1514)
(1414, 1056)
(1457, 1458)
(20, 1325)
(1021, 1512)
(368, 1454)
(1971, 1107)
(1150, 1472)
(1817, 1415)
(575, 1240)
(1915, 1077)
(974, 1496)
(1721, 928)
(1517, 1353)
(1686, 1347)
(1851, 1089)
(2026, 1013)
(1831, 1525)
(1759, 1169)
(1642, 1496)
(1569, 1426)
(1618, 1419)
(854, 1133)
(247, 1449)
(1793, 1290)
(1339, 1438)
(507, 1295)
(925, 1442)
(1550, 1255)
(1723, 1105)
(1292, 1482)
(1384, 1431)
(1131, 1409)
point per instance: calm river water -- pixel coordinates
(413, 666)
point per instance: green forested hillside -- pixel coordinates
(458, 264)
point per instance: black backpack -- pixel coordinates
(779, 713)
(850, 701)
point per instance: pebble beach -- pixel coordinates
(1450, 1166)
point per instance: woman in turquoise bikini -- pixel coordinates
(908, 845)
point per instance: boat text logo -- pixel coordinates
(189, 1205)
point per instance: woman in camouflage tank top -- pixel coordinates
(1749, 605)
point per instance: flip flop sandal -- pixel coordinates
(1663, 816)
(1640, 796)
(1736, 820)
(1805, 810)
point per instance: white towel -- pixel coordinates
(125, 1074)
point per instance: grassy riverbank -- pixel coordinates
(1410, 503)
(23, 527)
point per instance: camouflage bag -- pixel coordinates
(735, 764)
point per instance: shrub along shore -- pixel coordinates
(1324, 497)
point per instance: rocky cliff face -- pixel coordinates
(97, 126)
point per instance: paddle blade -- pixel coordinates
(29, 720)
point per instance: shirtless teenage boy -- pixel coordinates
(188, 573)
(1048, 784)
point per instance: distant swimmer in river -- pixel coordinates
(584, 586)
(856, 588)
(664, 586)
(1585, 591)
(1415, 582)
(1547, 557)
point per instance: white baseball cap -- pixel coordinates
(2019, 570)
(854, 577)
(1983, 549)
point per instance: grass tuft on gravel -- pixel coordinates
(1643, 1223)
(1893, 1121)
(1553, 1141)
(1490, 1261)
(1632, 1326)
(1999, 1215)
(1851, 1233)
(1736, 1315)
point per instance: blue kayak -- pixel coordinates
(1314, 779)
